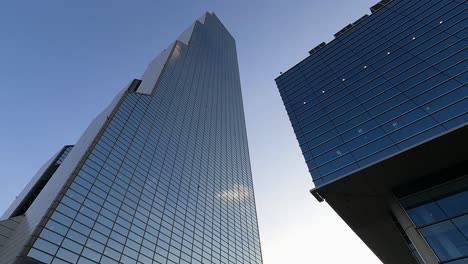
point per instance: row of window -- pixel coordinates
(428, 37)
(400, 15)
(412, 82)
(64, 154)
(396, 128)
(347, 161)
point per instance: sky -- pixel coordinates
(61, 63)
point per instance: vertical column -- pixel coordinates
(422, 248)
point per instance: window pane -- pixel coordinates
(446, 241)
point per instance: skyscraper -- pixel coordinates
(162, 175)
(380, 113)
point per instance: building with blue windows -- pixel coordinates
(162, 175)
(380, 114)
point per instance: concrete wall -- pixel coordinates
(7, 227)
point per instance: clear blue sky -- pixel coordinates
(61, 62)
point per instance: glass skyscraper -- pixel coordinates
(161, 176)
(380, 114)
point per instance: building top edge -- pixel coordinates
(313, 51)
(156, 66)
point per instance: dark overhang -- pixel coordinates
(361, 198)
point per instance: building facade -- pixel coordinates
(380, 114)
(161, 176)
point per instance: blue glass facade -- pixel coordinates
(441, 216)
(393, 80)
(168, 180)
